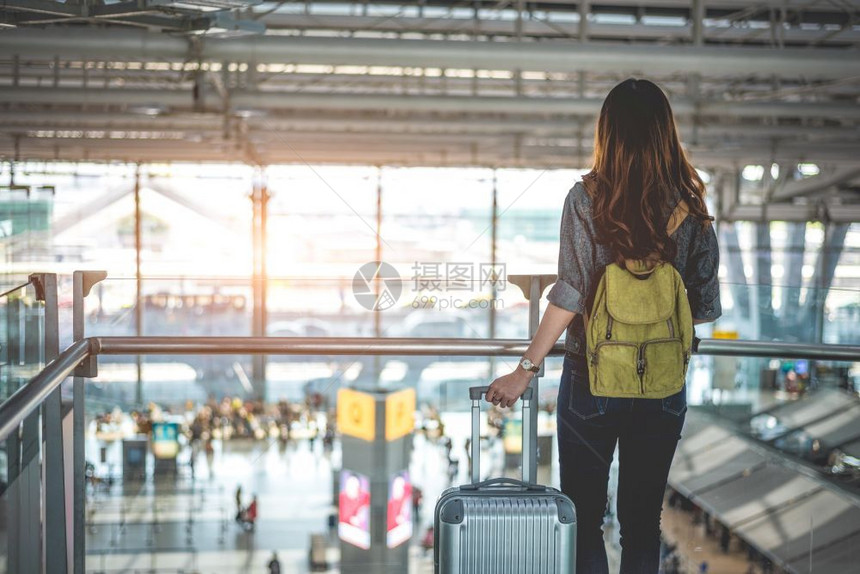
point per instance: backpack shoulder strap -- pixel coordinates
(679, 214)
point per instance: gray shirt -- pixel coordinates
(582, 261)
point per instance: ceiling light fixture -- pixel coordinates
(249, 113)
(148, 109)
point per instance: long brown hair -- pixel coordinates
(638, 163)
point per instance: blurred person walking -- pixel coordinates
(427, 540)
(210, 456)
(417, 500)
(239, 507)
(639, 211)
(250, 518)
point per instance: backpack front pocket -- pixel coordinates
(613, 370)
(665, 367)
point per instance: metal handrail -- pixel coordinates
(310, 346)
(778, 350)
(429, 346)
(16, 408)
(13, 289)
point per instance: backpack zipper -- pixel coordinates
(609, 328)
(671, 328)
(640, 363)
(614, 343)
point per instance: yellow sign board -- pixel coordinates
(399, 414)
(724, 334)
(356, 414)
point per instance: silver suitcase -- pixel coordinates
(503, 525)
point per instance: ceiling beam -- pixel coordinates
(265, 100)
(746, 133)
(546, 29)
(498, 150)
(555, 56)
(678, 4)
(817, 183)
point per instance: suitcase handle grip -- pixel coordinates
(476, 393)
(503, 481)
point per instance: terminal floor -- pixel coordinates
(186, 526)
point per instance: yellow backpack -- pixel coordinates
(639, 333)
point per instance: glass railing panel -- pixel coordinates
(22, 453)
(261, 445)
(287, 437)
(22, 346)
(326, 305)
(162, 481)
(242, 441)
(411, 305)
(20, 499)
(417, 305)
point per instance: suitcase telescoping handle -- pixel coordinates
(476, 394)
(504, 481)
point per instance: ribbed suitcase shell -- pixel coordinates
(498, 529)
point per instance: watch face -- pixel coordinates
(527, 364)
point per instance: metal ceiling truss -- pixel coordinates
(478, 82)
(187, 16)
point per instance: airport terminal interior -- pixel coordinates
(253, 254)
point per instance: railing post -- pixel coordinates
(13, 474)
(494, 260)
(30, 482)
(259, 283)
(24, 494)
(55, 489)
(78, 456)
(82, 282)
(138, 284)
(533, 287)
(13, 448)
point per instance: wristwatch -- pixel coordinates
(527, 365)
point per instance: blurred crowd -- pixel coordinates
(225, 419)
(233, 418)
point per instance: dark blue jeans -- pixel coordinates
(646, 432)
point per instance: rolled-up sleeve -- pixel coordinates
(702, 276)
(575, 259)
